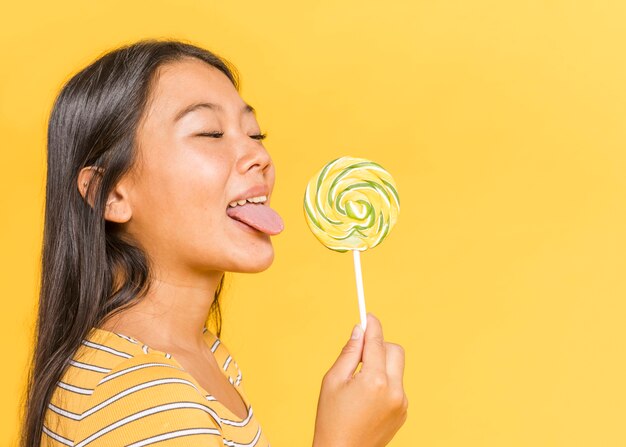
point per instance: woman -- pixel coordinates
(158, 182)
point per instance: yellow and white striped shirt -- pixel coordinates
(120, 392)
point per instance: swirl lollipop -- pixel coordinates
(352, 204)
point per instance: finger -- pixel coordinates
(395, 364)
(350, 356)
(374, 352)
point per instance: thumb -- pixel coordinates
(350, 356)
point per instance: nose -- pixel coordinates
(253, 156)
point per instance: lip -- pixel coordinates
(255, 191)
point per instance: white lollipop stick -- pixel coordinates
(359, 288)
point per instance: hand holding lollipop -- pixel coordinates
(352, 204)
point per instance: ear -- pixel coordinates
(118, 207)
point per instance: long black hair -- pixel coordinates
(89, 269)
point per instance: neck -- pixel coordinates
(172, 315)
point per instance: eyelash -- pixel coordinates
(259, 137)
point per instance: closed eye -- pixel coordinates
(211, 134)
(259, 137)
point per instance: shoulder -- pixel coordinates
(144, 396)
(136, 371)
(144, 371)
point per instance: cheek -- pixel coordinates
(185, 190)
(201, 189)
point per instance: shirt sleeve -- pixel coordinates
(146, 400)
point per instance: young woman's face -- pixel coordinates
(186, 179)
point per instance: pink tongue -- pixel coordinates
(257, 215)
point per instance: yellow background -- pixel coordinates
(503, 125)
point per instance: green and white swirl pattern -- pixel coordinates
(351, 204)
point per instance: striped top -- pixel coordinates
(118, 391)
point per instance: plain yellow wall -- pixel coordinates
(503, 124)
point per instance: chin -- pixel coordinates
(256, 263)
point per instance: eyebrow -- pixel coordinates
(211, 106)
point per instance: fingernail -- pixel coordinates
(356, 332)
